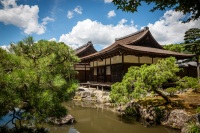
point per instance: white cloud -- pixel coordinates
(123, 21)
(52, 39)
(5, 47)
(22, 16)
(169, 29)
(70, 14)
(111, 14)
(107, 1)
(47, 20)
(77, 10)
(99, 34)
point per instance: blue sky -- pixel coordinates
(76, 22)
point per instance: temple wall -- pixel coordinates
(145, 59)
(108, 72)
(155, 60)
(91, 64)
(101, 62)
(107, 61)
(95, 71)
(130, 59)
(81, 67)
(95, 63)
(116, 59)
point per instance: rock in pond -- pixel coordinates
(68, 119)
(177, 119)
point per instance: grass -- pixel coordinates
(189, 101)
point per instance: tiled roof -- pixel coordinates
(88, 47)
(155, 51)
(133, 45)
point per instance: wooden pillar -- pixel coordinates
(97, 72)
(110, 70)
(85, 74)
(105, 76)
(93, 71)
(138, 59)
(122, 65)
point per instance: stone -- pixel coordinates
(99, 100)
(177, 118)
(106, 99)
(85, 94)
(148, 115)
(68, 119)
(187, 127)
(108, 104)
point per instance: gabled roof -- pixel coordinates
(85, 49)
(154, 51)
(137, 37)
(140, 43)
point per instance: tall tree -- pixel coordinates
(185, 6)
(175, 47)
(140, 80)
(192, 39)
(38, 77)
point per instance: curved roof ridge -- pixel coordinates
(156, 41)
(85, 45)
(132, 34)
(139, 38)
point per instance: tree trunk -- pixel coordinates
(198, 76)
(162, 95)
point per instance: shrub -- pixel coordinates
(198, 109)
(23, 130)
(171, 91)
(132, 111)
(188, 82)
(159, 114)
(193, 128)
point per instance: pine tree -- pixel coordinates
(192, 39)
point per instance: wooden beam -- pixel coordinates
(110, 70)
(85, 74)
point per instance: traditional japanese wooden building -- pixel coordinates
(84, 68)
(111, 63)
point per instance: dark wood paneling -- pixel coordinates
(83, 75)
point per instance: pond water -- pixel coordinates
(98, 120)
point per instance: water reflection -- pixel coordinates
(73, 130)
(98, 120)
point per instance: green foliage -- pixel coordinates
(188, 82)
(140, 80)
(193, 128)
(198, 109)
(175, 47)
(132, 111)
(23, 130)
(159, 114)
(171, 91)
(37, 77)
(192, 39)
(183, 6)
(119, 94)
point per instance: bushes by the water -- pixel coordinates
(23, 130)
(132, 111)
(193, 128)
(171, 91)
(188, 82)
(159, 114)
